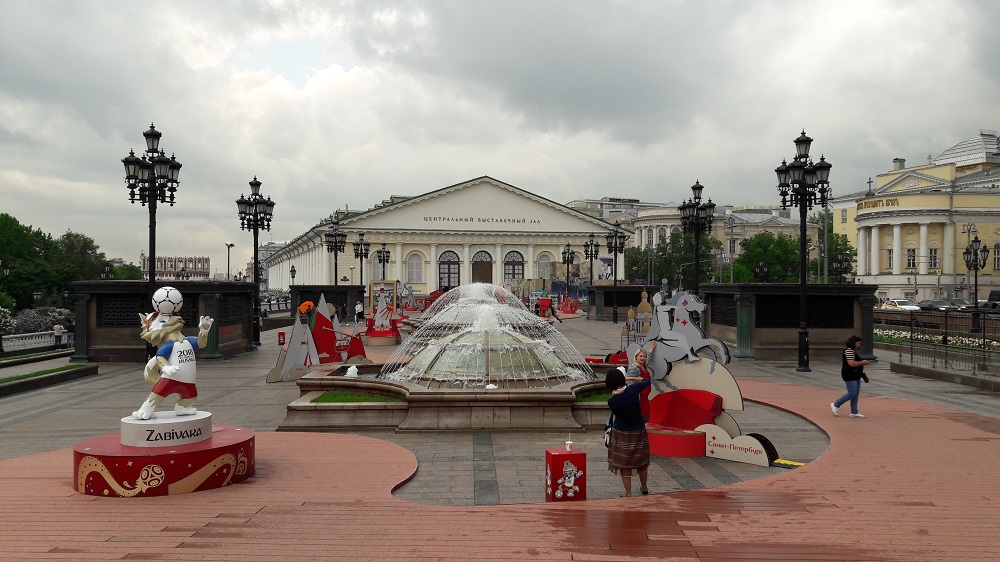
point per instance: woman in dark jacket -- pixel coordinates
(629, 447)
(852, 370)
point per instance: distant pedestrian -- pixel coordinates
(852, 370)
(359, 312)
(628, 449)
(58, 330)
(554, 315)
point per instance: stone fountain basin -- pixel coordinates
(426, 409)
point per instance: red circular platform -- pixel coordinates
(102, 466)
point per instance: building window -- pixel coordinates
(843, 215)
(911, 257)
(733, 243)
(662, 236)
(996, 256)
(933, 258)
(544, 267)
(513, 266)
(649, 237)
(888, 259)
(414, 269)
(482, 256)
(448, 270)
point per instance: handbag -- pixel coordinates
(865, 377)
(607, 430)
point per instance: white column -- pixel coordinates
(400, 269)
(948, 261)
(529, 266)
(897, 249)
(466, 275)
(862, 250)
(875, 267)
(498, 266)
(923, 252)
(432, 275)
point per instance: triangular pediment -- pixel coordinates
(910, 182)
(478, 205)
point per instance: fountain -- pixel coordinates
(478, 359)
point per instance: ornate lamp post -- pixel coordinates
(5, 273)
(591, 249)
(697, 217)
(336, 241)
(362, 251)
(802, 184)
(616, 245)
(383, 258)
(760, 272)
(151, 179)
(730, 224)
(108, 273)
(255, 213)
(291, 273)
(229, 246)
(976, 255)
(568, 258)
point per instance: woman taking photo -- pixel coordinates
(640, 369)
(629, 446)
(852, 371)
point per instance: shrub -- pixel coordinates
(6, 322)
(30, 321)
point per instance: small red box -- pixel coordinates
(565, 475)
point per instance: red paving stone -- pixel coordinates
(909, 482)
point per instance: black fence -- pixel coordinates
(946, 339)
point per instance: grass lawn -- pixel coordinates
(599, 397)
(344, 396)
(39, 373)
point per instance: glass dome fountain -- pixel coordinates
(481, 336)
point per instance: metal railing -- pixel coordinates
(35, 340)
(945, 340)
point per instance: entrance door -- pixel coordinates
(482, 267)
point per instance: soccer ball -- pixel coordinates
(167, 301)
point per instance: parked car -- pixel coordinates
(936, 304)
(900, 304)
(993, 302)
(961, 304)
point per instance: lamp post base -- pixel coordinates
(803, 351)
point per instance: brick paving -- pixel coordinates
(912, 481)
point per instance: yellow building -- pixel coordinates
(912, 225)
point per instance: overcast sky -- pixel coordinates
(332, 104)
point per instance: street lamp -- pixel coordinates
(336, 241)
(616, 245)
(255, 213)
(760, 272)
(229, 246)
(6, 272)
(591, 249)
(730, 224)
(361, 251)
(568, 258)
(292, 272)
(151, 179)
(383, 258)
(696, 218)
(352, 274)
(975, 255)
(801, 184)
(108, 273)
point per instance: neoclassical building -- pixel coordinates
(479, 230)
(912, 226)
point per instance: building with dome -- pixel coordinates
(912, 224)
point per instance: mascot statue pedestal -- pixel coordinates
(159, 453)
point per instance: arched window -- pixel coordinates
(544, 267)
(649, 237)
(996, 256)
(414, 268)
(482, 256)
(661, 237)
(448, 266)
(513, 265)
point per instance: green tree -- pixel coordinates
(128, 272)
(780, 252)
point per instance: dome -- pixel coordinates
(970, 152)
(479, 335)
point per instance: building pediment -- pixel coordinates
(912, 182)
(479, 205)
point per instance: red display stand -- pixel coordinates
(673, 419)
(102, 466)
(565, 475)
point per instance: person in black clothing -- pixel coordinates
(852, 370)
(629, 447)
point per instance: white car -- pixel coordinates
(900, 304)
